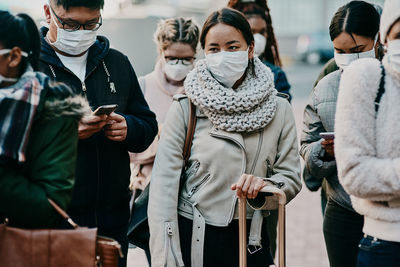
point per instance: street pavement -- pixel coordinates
(304, 239)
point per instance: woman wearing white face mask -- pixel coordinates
(177, 41)
(244, 139)
(265, 45)
(38, 130)
(367, 144)
(353, 29)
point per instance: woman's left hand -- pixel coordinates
(248, 186)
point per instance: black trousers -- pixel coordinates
(342, 233)
(221, 245)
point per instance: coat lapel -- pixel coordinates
(233, 136)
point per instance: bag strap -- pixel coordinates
(188, 141)
(63, 214)
(381, 90)
(190, 132)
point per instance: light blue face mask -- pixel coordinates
(6, 79)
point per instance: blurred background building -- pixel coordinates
(301, 26)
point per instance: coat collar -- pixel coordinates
(233, 136)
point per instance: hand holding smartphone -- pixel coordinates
(105, 109)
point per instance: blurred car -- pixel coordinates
(315, 48)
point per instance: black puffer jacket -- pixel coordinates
(102, 174)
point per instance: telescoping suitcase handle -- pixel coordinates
(281, 226)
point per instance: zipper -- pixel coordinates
(242, 171)
(83, 87)
(191, 170)
(198, 186)
(260, 141)
(98, 183)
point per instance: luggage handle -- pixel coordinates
(282, 200)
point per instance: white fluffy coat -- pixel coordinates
(368, 148)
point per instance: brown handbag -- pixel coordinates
(80, 247)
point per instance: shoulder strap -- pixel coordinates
(188, 141)
(190, 131)
(63, 214)
(381, 89)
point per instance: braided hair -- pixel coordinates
(176, 30)
(260, 8)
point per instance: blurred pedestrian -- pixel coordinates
(265, 45)
(177, 40)
(353, 30)
(313, 183)
(367, 144)
(245, 138)
(73, 53)
(38, 130)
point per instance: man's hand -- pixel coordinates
(116, 128)
(90, 125)
(329, 146)
(248, 186)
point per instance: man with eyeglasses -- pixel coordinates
(72, 53)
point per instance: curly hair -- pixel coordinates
(176, 30)
(259, 8)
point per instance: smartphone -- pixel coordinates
(327, 135)
(105, 109)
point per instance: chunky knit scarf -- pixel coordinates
(248, 108)
(18, 104)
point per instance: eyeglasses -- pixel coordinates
(75, 26)
(174, 60)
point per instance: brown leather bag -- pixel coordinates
(80, 247)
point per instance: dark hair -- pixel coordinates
(230, 17)
(356, 17)
(259, 8)
(92, 4)
(20, 31)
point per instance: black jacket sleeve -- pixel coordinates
(141, 121)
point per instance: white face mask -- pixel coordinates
(73, 43)
(5, 79)
(177, 72)
(228, 67)
(259, 44)
(393, 54)
(344, 60)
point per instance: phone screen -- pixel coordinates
(105, 109)
(327, 135)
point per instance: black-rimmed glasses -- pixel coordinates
(174, 60)
(75, 26)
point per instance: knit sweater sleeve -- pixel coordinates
(361, 172)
